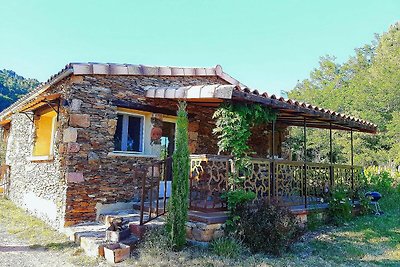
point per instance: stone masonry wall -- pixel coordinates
(37, 186)
(94, 177)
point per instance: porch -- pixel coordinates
(300, 186)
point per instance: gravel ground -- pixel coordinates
(15, 252)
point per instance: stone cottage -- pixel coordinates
(74, 142)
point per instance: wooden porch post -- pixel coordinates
(305, 162)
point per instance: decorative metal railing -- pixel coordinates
(287, 182)
(209, 176)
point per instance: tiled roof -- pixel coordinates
(142, 70)
(303, 105)
(118, 69)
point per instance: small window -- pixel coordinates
(45, 130)
(129, 133)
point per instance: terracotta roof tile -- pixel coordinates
(130, 69)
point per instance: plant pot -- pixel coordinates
(115, 253)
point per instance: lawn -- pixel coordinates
(365, 241)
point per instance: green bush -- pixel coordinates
(365, 205)
(381, 181)
(234, 199)
(340, 207)
(267, 228)
(227, 247)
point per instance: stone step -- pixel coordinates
(91, 237)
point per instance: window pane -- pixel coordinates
(118, 134)
(134, 142)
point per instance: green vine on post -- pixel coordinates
(233, 128)
(178, 203)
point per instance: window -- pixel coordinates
(45, 130)
(129, 133)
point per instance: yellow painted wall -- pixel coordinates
(44, 134)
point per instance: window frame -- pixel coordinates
(142, 132)
(50, 156)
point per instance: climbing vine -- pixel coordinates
(233, 128)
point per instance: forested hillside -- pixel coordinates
(367, 85)
(13, 86)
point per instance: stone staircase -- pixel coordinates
(91, 236)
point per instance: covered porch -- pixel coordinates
(274, 177)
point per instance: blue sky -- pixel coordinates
(267, 45)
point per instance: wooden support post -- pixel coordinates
(305, 162)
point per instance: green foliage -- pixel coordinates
(228, 247)
(315, 220)
(340, 207)
(238, 197)
(365, 205)
(381, 181)
(13, 86)
(178, 203)
(235, 198)
(233, 128)
(267, 228)
(365, 86)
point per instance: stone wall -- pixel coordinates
(37, 186)
(94, 176)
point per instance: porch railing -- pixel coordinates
(153, 203)
(289, 183)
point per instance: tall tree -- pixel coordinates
(365, 86)
(178, 203)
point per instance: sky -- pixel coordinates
(267, 45)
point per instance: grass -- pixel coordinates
(38, 235)
(364, 241)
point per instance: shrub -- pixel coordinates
(267, 228)
(227, 247)
(234, 199)
(381, 181)
(340, 207)
(365, 205)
